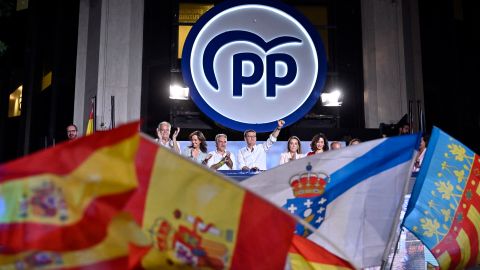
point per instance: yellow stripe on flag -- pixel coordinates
(464, 243)
(109, 170)
(298, 262)
(474, 216)
(190, 209)
(122, 231)
(444, 260)
(90, 128)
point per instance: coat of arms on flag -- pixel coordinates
(352, 196)
(44, 200)
(191, 240)
(309, 201)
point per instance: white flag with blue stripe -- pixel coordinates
(351, 196)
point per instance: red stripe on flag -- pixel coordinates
(70, 154)
(470, 230)
(136, 254)
(264, 236)
(461, 221)
(469, 226)
(315, 253)
(144, 161)
(120, 263)
(17, 237)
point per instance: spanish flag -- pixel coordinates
(124, 237)
(196, 217)
(64, 198)
(90, 124)
(307, 255)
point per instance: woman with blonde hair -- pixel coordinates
(294, 150)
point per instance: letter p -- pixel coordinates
(238, 79)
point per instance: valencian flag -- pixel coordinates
(64, 198)
(352, 197)
(196, 217)
(444, 209)
(305, 254)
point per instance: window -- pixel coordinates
(189, 14)
(15, 102)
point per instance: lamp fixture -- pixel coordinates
(178, 92)
(332, 99)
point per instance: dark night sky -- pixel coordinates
(450, 61)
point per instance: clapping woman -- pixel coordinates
(294, 150)
(197, 150)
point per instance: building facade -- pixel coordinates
(124, 54)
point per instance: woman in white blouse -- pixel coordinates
(294, 150)
(421, 153)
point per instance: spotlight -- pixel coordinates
(178, 92)
(332, 99)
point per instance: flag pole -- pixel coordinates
(112, 112)
(91, 123)
(395, 250)
(94, 101)
(396, 223)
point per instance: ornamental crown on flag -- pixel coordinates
(116, 200)
(196, 217)
(444, 209)
(352, 196)
(64, 203)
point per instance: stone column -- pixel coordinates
(385, 94)
(109, 61)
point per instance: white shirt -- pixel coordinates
(285, 157)
(419, 160)
(257, 157)
(168, 144)
(217, 157)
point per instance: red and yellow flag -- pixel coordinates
(444, 209)
(64, 198)
(306, 255)
(90, 125)
(123, 237)
(195, 217)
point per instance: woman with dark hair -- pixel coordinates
(294, 150)
(197, 150)
(354, 141)
(421, 152)
(319, 144)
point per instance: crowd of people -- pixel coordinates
(252, 157)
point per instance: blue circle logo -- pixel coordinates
(251, 63)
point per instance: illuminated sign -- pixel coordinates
(251, 63)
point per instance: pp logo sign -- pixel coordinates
(248, 64)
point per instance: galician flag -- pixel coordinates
(351, 196)
(444, 210)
